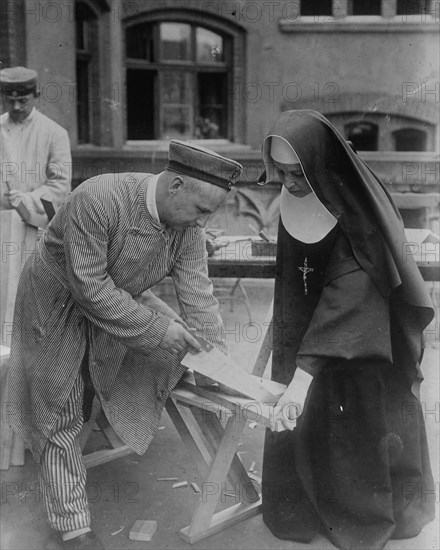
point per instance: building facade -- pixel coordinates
(125, 76)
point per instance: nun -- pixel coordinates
(349, 312)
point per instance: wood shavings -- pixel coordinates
(180, 484)
(195, 487)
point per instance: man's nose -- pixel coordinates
(16, 105)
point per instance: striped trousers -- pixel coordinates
(62, 473)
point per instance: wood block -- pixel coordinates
(143, 530)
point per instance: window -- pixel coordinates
(177, 78)
(410, 139)
(412, 7)
(363, 135)
(86, 37)
(316, 7)
(364, 7)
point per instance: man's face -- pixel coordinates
(192, 207)
(293, 179)
(19, 108)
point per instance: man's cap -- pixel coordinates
(18, 81)
(203, 164)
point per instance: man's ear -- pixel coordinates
(176, 184)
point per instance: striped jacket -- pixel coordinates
(101, 251)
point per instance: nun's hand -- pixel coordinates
(291, 404)
(286, 412)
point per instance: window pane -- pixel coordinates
(177, 105)
(212, 114)
(140, 104)
(139, 42)
(411, 7)
(316, 7)
(364, 7)
(176, 122)
(363, 135)
(82, 101)
(209, 46)
(82, 14)
(175, 87)
(175, 41)
(410, 139)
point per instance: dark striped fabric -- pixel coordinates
(101, 251)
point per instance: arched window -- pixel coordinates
(363, 135)
(87, 77)
(410, 139)
(177, 81)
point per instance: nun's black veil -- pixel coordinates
(369, 219)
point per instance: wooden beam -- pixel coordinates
(214, 364)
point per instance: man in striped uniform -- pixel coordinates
(84, 313)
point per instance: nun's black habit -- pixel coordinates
(356, 467)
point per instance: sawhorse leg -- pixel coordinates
(105, 455)
(213, 449)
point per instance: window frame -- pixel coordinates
(89, 56)
(234, 47)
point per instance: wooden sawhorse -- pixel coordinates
(195, 412)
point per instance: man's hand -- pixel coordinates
(16, 196)
(177, 339)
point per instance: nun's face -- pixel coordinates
(293, 179)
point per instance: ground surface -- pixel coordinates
(127, 489)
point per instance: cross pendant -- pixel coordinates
(305, 269)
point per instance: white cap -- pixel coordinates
(282, 151)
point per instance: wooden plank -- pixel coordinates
(237, 474)
(17, 451)
(191, 438)
(5, 447)
(108, 431)
(6, 433)
(88, 426)
(106, 455)
(221, 520)
(252, 411)
(217, 473)
(222, 369)
(261, 357)
(17, 242)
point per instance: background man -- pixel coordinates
(80, 315)
(35, 151)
